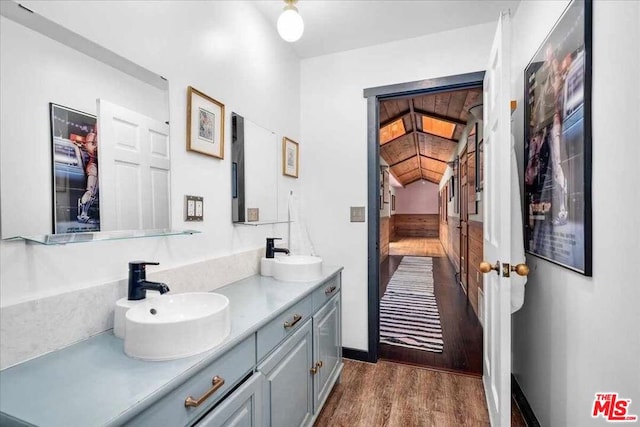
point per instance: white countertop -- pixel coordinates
(93, 383)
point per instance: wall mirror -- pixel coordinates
(84, 142)
(254, 172)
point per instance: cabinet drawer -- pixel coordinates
(282, 326)
(326, 291)
(242, 408)
(171, 410)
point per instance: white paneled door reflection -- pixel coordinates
(134, 169)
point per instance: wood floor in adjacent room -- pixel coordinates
(394, 395)
(461, 330)
(418, 246)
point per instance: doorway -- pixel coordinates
(424, 164)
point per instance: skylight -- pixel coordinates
(438, 127)
(392, 131)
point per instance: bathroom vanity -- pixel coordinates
(276, 368)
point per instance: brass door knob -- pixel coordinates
(485, 267)
(521, 269)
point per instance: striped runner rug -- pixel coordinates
(409, 314)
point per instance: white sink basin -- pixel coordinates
(174, 326)
(297, 268)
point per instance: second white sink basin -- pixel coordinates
(297, 268)
(174, 326)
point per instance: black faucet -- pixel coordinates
(138, 283)
(271, 249)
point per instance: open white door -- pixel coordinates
(497, 229)
(133, 152)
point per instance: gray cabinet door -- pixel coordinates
(288, 385)
(243, 408)
(327, 349)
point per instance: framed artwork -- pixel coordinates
(557, 146)
(479, 165)
(472, 204)
(205, 124)
(74, 147)
(385, 186)
(290, 157)
(456, 180)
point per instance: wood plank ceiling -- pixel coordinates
(418, 153)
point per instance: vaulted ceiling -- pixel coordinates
(419, 135)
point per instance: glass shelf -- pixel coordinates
(63, 239)
(257, 223)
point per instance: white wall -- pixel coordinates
(334, 129)
(225, 49)
(576, 336)
(420, 197)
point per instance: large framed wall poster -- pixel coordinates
(557, 145)
(74, 147)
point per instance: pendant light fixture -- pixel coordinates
(290, 24)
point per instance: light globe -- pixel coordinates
(290, 24)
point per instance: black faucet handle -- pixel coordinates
(274, 238)
(139, 264)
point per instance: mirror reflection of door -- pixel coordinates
(134, 154)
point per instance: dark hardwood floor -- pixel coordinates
(395, 395)
(461, 330)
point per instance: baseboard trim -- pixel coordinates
(351, 353)
(523, 404)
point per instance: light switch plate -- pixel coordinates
(253, 214)
(193, 208)
(357, 214)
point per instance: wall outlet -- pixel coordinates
(253, 214)
(357, 214)
(193, 208)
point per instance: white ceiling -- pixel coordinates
(339, 25)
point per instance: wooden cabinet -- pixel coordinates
(243, 408)
(288, 385)
(327, 350)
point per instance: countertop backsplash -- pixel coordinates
(30, 329)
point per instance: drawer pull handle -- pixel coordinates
(329, 290)
(314, 370)
(290, 324)
(216, 383)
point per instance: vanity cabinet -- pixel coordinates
(301, 372)
(288, 386)
(327, 350)
(277, 368)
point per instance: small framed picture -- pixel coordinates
(205, 124)
(290, 157)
